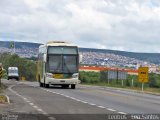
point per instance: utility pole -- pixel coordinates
(117, 76)
(14, 47)
(0, 73)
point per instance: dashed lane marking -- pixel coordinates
(35, 106)
(32, 104)
(51, 118)
(122, 113)
(92, 104)
(28, 101)
(83, 101)
(101, 106)
(111, 109)
(39, 110)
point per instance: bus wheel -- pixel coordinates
(73, 86)
(46, 85)
(40, 84)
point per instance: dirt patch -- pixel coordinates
(2, 87)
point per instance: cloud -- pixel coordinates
(131, 25)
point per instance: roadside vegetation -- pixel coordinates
(97, 78)
(27, 68)
(3, 98)
(2, 87)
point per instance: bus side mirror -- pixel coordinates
(45, 58)
(80, 58)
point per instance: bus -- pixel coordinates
(58, 64)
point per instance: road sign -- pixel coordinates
(1, 72)
(143, 74)
(112, 74)
(122, 75)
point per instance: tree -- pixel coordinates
(27, 68)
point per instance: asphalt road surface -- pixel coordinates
(82, 103)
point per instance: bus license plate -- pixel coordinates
(58, 76)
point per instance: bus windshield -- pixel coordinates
(13, 71)
(62, 64)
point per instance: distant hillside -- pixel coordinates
(150, 57)
(19, 45)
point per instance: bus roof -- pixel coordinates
(57, 43)
(12, 68)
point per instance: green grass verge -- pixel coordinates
(3, 99)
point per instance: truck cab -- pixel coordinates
(13, 73)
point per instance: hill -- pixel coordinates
(33, 48)
(150, 57)
(19, 45)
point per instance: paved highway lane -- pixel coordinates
(88, 100)
(114, 100)
(52, 104)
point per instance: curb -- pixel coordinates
(8, 100)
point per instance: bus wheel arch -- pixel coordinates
(73, 86)
(45, 85)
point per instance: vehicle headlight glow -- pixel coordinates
(75, 75)
(50, 75)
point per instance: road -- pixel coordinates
(96, 102)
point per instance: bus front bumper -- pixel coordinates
(61, 81)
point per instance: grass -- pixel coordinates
(146, 88)
(3, 98)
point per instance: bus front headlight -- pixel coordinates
(75, 75)
(50, 75)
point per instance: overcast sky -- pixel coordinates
(129, 25)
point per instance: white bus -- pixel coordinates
(58, 64)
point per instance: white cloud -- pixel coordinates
(131, 25)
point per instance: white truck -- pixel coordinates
(13, 73)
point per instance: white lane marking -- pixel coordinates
(101, 106)
(51, 118)
(44, 113)
(83, 101)
(110, 109)
(35, 106)
(67, 96)
(26, 100)
(77, 100)
(122, 113)
(92, 104)
(40, 110)
(31, 104)
(73, 98)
